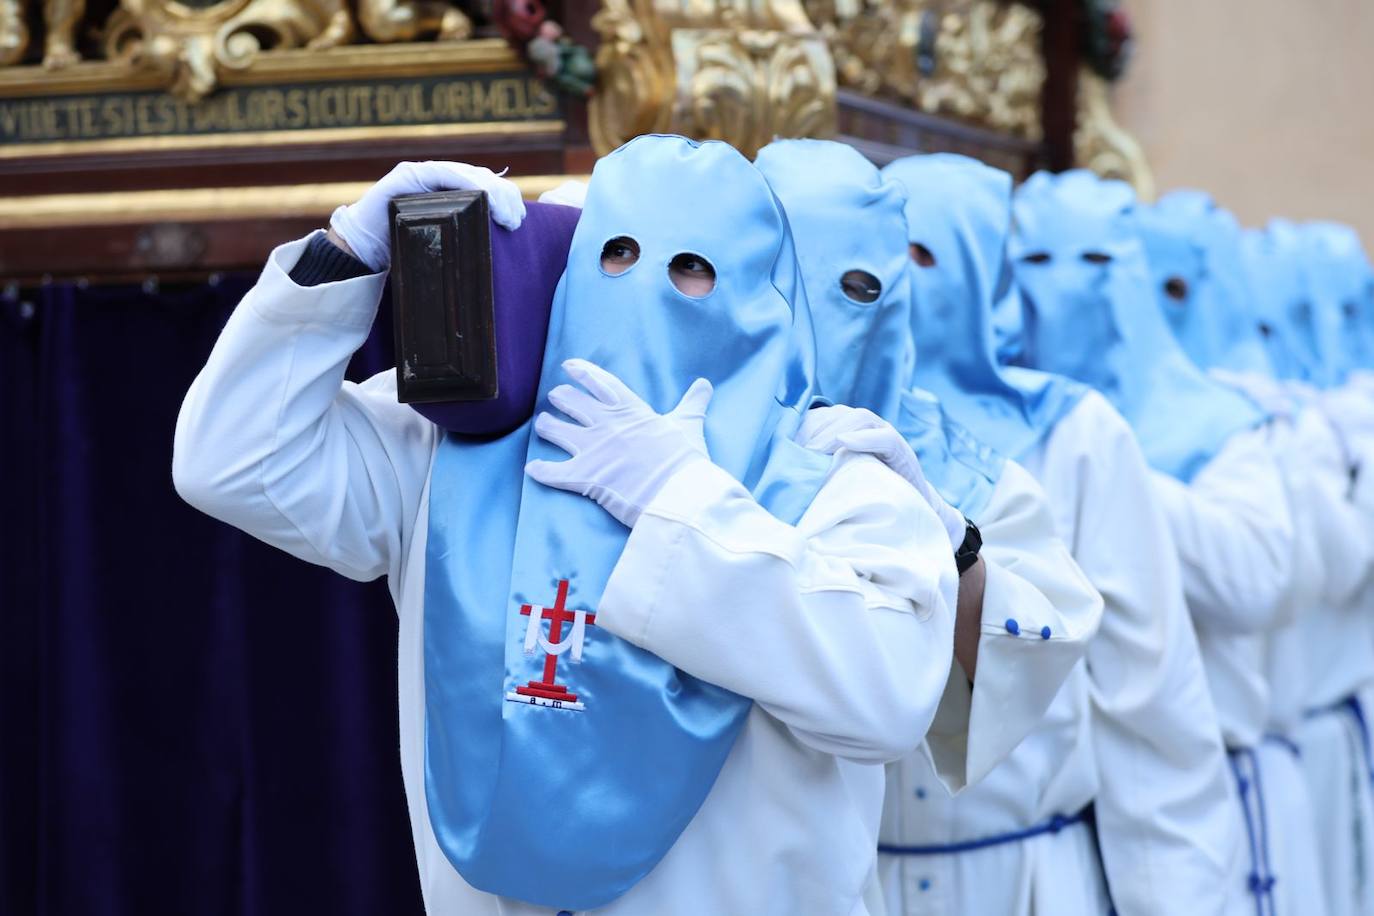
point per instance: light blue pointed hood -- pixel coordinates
(567, 803)
(1275, 261)
(960, 210)
(846, 218)
(1341, 284)
(1200, 281)
(1091, 315)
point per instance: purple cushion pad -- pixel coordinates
(525, 269)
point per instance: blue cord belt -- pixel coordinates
(1261, 879)
(1055, 824)
(1284, 742)
(1352, 707)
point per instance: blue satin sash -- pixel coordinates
(963, 469)
(563, 782)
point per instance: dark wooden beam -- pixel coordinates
(1061, 48)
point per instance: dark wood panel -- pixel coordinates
(884, 131)
(135, 251)
(1059, 100)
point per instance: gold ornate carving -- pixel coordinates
(407, 20)
(60, 19)
(744, 72)
(1103, 145)
(479, 55)
(978, 60)
(195, 46)
(874, 42)
(989, 68)
(636, 77)
(14, 32)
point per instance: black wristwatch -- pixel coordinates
(967, 554)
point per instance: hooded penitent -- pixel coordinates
(958, 211)
(1341, 284)
(851, 239)
(1200, 281)
(561, 780)
(1274, 262)
(1090, 314)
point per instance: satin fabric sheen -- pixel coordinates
(564, 808)
(845, 217)
(1090, 314)
(960, 209)
(1273, 261)
(1190, 240)
(1341, 286)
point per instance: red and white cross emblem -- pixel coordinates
(548, 692)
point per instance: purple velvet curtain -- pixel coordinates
(190, 722)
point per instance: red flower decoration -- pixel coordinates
(1119, 27)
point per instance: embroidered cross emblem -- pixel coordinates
(548, 692)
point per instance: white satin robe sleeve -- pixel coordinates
(1342, 526)
(272, 440)
(841, 627)
(1163, 812)
(1234, 535)
(1039, 614)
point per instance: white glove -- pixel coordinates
(572, 193)
(622, 452)
(829, 429)
(366, 225)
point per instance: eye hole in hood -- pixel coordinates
(692, 274)
(922, 255)
(619, 255)
(861, 286)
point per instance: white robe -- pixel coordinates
(1050, 772)
(1165, 811)
(1133, 730)
(1304, 862)
(1290, 818)
(1149, 757)
(840, 628)
(1236, 540)
(1339, 646)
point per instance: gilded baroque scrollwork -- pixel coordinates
(194, 45)
(407, 20)
(734, 70)
(876, 43)
(1103, 145)
(988, 68)
(194, 42)
(978, 60)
